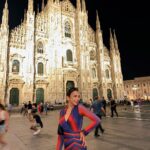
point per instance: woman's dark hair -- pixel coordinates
(71, 90)
(2, 107)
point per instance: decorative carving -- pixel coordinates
(17, 56)
(42, 82)
(92, 55)
(16, 83)
(68, 7)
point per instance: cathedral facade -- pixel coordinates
(53, 50)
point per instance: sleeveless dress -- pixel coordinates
(69, 131)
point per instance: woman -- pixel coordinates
(4, 117)
(70, 132)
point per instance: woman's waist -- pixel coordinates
(72, 134)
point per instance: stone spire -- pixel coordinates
(83, 6)
(78, 5)
(112, 47)
(38, 9)
(5, 14)
(98, 27)
(43, 4)
(25, 14)
(115, 41)
(30, 5)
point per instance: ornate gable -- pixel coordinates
(91, 34)
(67, 6)
(16, 81)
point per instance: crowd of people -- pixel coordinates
(41, 108)
(70, 120)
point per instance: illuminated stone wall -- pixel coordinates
(55, 46)
(137, 88)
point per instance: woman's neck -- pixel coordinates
(70, 105)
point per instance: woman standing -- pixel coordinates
(4, 117)
(70, 132)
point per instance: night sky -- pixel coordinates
(129, 18)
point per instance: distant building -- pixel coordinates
(53, 50)
(137, 88)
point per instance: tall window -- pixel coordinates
(69, 55)
(40, 68)
(15, 66)
(93, 73)
(67, 29)
(107, 73)
(40, 48)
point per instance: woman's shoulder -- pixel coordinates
(81, 107)
(62, 111)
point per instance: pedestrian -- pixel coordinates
(132, 104)
(22, 108)
(9, 108)
(29, 109)
(90, 103)
(42, 108)
(98, 109)
(4, 118)
(34, 107)
(39, 108)
(70, 132)
(25, 109)
(37, 123)
(113, 106)
(46, 107)
(104, 104)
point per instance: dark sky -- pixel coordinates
(129, 18)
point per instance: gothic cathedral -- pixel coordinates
(53, 50)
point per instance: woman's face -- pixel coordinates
(73, 99)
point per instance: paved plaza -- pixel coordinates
(130, 131)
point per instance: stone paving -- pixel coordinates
(130, 131)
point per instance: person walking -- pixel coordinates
(24, 109)
(132, 104)
(113, 106)
(98, 109)
(70, 133)
(29, 109)
(36, 122)
(104, 104)
(46, 107)
(4, 118)
(9, 109)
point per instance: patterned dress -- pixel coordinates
(69, 131)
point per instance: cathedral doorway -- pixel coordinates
(95, 93)
(14, 96)
(39, 95)
(109, 93)
(69, 85)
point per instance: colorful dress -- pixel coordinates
(69, 131)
